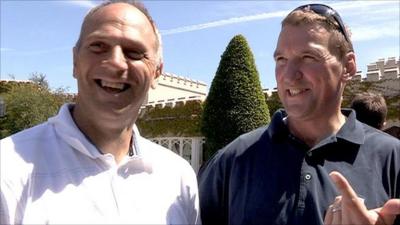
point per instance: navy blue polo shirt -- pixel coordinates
(268, 176)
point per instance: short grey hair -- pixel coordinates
(138, 5)
(338, 43)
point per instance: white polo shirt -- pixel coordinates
(51, 174)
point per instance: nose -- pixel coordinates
(292, 72)
(116, 60)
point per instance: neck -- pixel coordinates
(315, 130)
(108, 139)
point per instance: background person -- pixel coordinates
(284, 173)
(89, 164)
(370, 109)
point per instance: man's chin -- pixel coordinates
(297, 112)
(117, 117)
(114, 110)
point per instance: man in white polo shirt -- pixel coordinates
(89, 164)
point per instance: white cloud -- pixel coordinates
(374, 20)
(350, 7)
(6, 49)
(367, 33)
(381, 12)
(219, 23)
(82, 3)
(360, 5)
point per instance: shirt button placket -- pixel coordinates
(307, 176)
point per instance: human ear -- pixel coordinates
(350, 67)
(158, 72)
(74, 59)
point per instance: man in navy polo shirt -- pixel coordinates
(314, 163)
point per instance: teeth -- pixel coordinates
(295, 91)
(119, 86)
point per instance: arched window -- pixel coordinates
(175, 146)
(187, 150)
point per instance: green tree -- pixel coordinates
(39, 79)
(274, 103)
(235, 103)
(28, 104)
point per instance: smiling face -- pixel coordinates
(310, 78)
(115, 63)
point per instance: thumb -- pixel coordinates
(391, 207)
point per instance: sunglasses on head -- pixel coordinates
(328, 12)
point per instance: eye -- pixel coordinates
(280, 60)
(97, 47)
(309, 58)
(134, 55)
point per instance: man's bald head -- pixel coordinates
(138, 5)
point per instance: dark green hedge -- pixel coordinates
(235, 103)
(181, 120)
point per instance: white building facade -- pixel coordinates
(172, 89)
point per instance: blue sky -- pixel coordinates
(38, 36)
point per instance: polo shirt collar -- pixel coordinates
(352, 130)
(68, 131)
(277, 129)
(136, 142)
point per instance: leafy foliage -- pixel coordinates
(28, 104)
(235, 103)
(273, 102)
(181, 120)
(39, 79)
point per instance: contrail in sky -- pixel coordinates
(219, 23)
(85, 4)
(235, 20)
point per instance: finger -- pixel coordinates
(353, 209)
(336, 214)
(328, 220)
(391, 207)
(387, 213)
(337, 218)
(328, 216)
(338, 200)
(343, 187)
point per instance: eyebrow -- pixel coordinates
(314, 51)
(105, 37)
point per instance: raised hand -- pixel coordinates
(348, 208)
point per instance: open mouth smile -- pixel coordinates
(296, 91)
(112, 87)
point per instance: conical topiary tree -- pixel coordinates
(235, 103)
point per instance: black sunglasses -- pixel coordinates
(327, 12)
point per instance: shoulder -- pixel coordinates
(163, 158)
(27, 142)
(18, 153)
(151, 149)
(171, 168)
(243, 144)
(381, 146)
(375, 137)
